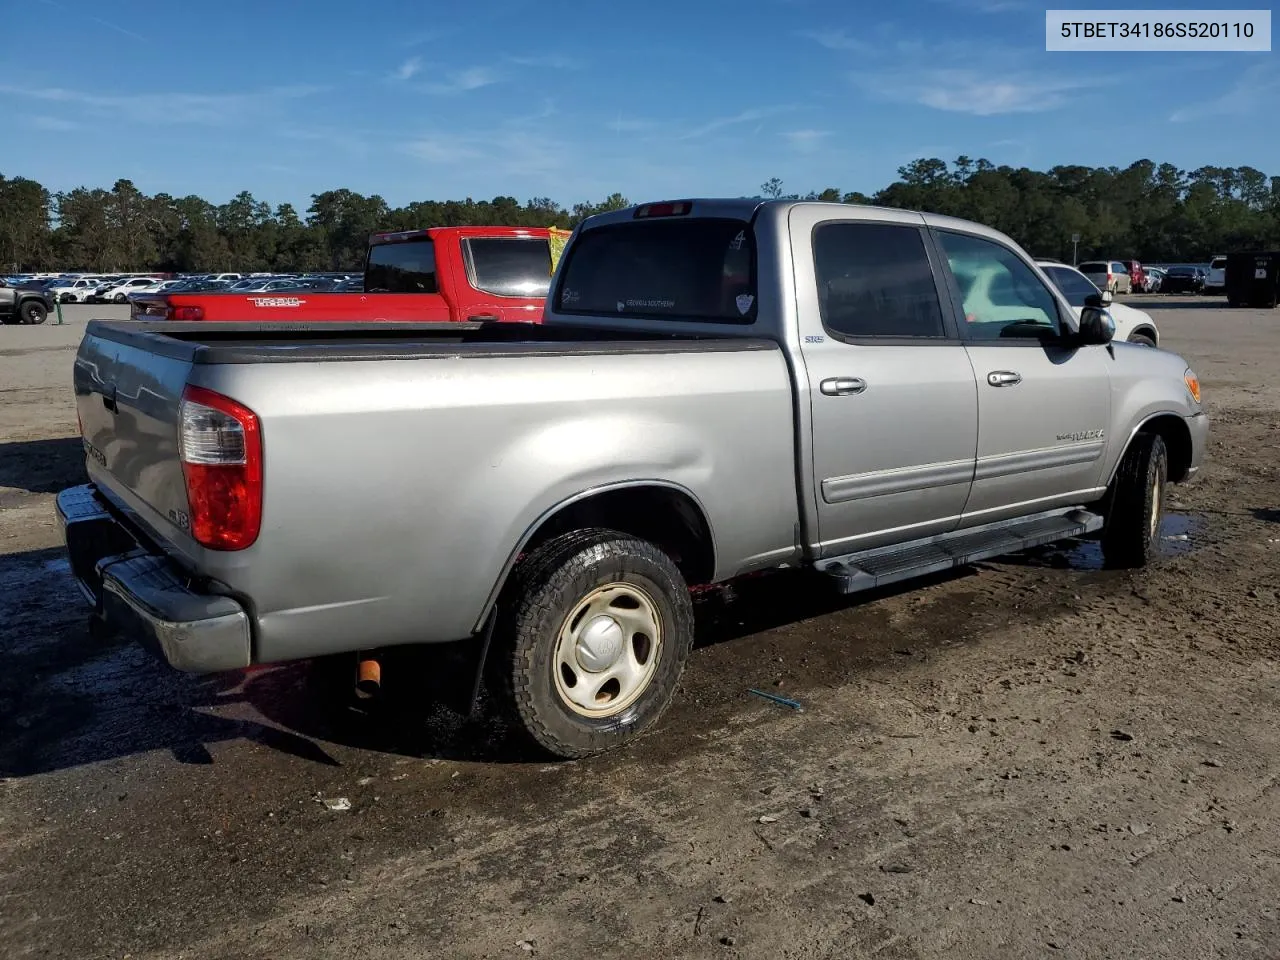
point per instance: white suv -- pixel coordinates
(120, 292)
(1216, 282)
(76, 290)
(1136, 326)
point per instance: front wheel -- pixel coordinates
(592, 641)
(1132, 534)
(120, 298)
(33, 312)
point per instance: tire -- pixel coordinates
(33, 312)
(119, 298)
(1131, 537)
(1143, 339)
(557, 593)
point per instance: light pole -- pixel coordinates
(1075, 246)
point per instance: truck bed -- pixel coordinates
(404, 464)
(278, 342)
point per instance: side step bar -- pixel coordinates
(874, 568)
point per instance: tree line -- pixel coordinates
(1146, 211)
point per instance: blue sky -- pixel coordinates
(434, 100)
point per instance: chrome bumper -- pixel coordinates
(142, 595)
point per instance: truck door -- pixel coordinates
(504, 277)
(1043, 407)
(891, 390)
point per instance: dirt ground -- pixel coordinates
(1034, 757)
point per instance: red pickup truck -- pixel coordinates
(438, 274)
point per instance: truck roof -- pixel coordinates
(399, 236)
(747, 208)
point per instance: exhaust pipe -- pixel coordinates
(368, 677)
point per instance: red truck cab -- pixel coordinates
(437, 274)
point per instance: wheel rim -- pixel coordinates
(607, 650)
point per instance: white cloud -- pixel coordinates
(837, 40)
(408, 69)
(463, 81)
(805, 141)
(512, 152)
(988, 6)
(551, 61)
(213, 109)
(631, 125)
(975, 91)
(106, 23)
(1253, 93)
(746, 116)
(56, 124)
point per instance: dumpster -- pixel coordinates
(1253, 278)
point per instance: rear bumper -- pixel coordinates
(141, 594)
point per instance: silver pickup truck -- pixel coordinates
(719, 387)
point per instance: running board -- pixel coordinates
(875, 568)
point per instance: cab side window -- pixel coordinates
(875, 280)
(1003, 298)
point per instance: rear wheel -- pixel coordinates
(592, 641)
(33, 312)
(1132, 534)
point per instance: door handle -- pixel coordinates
(842, 386)
(1004, 378)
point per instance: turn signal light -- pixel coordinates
(1193, 385)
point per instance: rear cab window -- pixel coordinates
(508, 266)
(408, 266)
(686, 269)
(875, 280)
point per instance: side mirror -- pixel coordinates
(1096, 326)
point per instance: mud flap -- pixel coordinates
(457, 669)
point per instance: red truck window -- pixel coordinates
(509, 266)
(401, 268)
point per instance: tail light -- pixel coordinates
(220, 444)
(185, 313)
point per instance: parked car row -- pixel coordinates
(92, 288)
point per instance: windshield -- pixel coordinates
(1092, 268)
(1218, 263)
(1073, 286)
(1182, 271)
(672, 269)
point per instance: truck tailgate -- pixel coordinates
(127, 400)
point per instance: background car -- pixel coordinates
(119, 291)
(1109, 275)
(1135, 326)
(1155, 277)
(74, 290)
(1137, 275)
(1182, 279)
(1216, 280)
